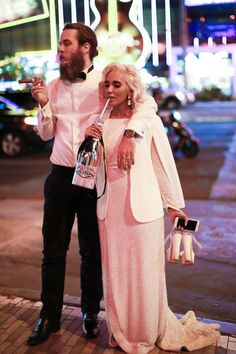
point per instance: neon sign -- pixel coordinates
(207, 2)
(15, 12)
(120, 35)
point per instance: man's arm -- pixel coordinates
(46, 126)
(139, 124)
(46, 123)
(142, 117)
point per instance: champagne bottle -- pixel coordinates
(87, 163)
(88, 158)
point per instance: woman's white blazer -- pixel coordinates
(154, 178)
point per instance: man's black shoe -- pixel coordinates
(42, 331)
(90, 325)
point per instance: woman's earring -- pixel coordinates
(129, 101)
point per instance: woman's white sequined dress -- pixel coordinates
(133, 264)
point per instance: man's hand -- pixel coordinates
(126, 152)
(39, 91)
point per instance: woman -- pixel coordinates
(131, 226)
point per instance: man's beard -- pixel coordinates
(70, 70)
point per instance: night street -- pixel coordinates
(74, 113)
(208, 287)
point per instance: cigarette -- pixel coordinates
(25, 81)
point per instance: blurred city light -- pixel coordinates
(207, 2)
(168, 39)
(13, 13)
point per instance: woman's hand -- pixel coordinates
(94, 131)
(177, 214)
(126, 153)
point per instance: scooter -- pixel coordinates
(180, 136)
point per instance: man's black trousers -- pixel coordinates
(64, 201)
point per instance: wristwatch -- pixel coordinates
(129, 133)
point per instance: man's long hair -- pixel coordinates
(85, 35)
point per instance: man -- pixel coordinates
(64, 110)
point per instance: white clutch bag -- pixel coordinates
(180, 248)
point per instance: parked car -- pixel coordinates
(18, 128)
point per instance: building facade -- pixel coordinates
(181, 40)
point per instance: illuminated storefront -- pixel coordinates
(210, 47)
(28, 41)
(30, 32)
(146, 33)
(207, 2)
(15, 13)
(205, 68)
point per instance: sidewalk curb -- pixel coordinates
(226, 328)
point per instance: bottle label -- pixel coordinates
(84, 176)
(85, 171)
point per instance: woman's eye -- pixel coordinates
(106, 85)
(117, 85)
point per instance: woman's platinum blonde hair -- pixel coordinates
(132, 79)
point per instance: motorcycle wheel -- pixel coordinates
(190, 149)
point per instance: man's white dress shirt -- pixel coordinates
(70, 111)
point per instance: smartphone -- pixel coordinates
(192, 225)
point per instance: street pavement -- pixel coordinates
(18, 317)
(21, 220)
(217, 111)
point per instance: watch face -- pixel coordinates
(129, 133)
